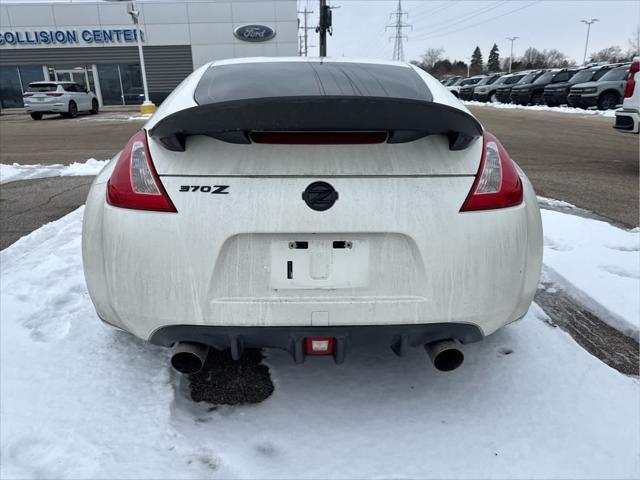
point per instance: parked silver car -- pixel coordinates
(65, 98)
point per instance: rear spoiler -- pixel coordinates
(404, 120)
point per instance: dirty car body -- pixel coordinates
(360, 203)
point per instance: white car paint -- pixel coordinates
(631, 105)
(219, 261)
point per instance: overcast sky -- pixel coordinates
(458, 26)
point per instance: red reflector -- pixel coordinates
(55, 94)
(319, 345)
(318, 138)
(27, 94)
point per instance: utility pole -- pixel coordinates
(305, 50)
(513, 39)
(324, 26)
(398, 25)
(586, 44)
(147, 106)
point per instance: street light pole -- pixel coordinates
(586, 43)
(513, 39)
(147, 106)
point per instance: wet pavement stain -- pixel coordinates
(613, 347)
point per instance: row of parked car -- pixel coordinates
(601, 86)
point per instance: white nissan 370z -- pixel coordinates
(311, 205)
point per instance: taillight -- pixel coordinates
(134, 182)
(631, 81)
(497, 184)
(54, 94)
(27, 94)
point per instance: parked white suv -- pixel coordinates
(65, 98)
(628, 118)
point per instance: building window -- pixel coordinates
(121, 84)
(14, 81)
(30, 73)
(10, 91)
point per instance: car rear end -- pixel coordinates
(45, 97)
(628, 118)
(249, 214)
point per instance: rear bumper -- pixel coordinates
(46, 108)
(627, 121)
(290, 339)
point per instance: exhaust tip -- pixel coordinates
(446, 355)
(189, 358)
(448, 360)
(186, 362)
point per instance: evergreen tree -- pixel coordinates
(493, 64)
(476, 62)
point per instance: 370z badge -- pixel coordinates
(205, 188)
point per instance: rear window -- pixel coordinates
(616, 74)
(292, 79)
(42, 87)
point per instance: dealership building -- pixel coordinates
(94, 43)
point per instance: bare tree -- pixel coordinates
(611, 54)
(430, 57)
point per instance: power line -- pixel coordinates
(464, 18)
(482, 22)
(304, 45)
(399, 25)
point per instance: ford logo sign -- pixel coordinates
(254, 33)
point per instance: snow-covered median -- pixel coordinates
(598, 264)
(11, 173)
(82, 400)
(541, 108)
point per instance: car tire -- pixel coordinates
(73, 110)
(493, 98)
(607, 101)
(537, 99)
(36, 116)
(95, 106)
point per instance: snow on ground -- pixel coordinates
(598, 264)
(117, 117)
(11, 173)
(82, 400)
(541, 108)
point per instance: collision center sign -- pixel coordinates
(66, 37)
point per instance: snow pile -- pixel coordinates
(110, 117)
(11, 173)
(598, 263)
(82, 400)
(553, 203)
(541, 108)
